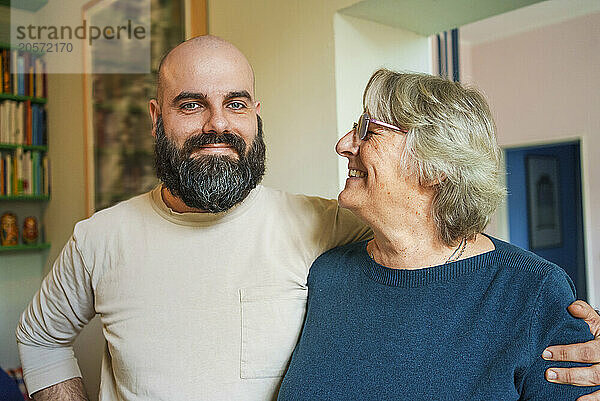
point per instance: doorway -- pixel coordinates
(545, 213)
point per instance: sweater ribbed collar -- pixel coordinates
(424, 276)
(201, 219)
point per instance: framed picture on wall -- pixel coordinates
(543, 189)
(118, 131)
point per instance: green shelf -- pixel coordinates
(22, 248)
(29, 5)
(25, 198)
(10, 96)
(12, 146)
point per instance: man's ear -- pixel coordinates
(257, 107)
(154, 110)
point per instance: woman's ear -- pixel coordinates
(435, 182)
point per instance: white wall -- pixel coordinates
(20, 278)
(67, 207)
(291, 47)
(361, 47)
(543, 86)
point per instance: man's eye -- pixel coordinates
(236, 105)
(190, 106)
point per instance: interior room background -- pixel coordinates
(535, 61)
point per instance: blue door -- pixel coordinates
(544, 205)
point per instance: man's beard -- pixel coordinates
(207, 182)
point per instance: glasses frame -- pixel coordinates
(361, 128)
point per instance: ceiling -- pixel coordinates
(427, 17)
(526, 19)
(479, 20)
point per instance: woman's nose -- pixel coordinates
(348, 145)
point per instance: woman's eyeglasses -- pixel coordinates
(362, 126)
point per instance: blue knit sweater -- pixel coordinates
(469, 330)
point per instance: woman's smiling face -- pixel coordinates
(377, 180)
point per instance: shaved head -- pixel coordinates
(206, 52)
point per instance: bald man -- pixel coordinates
(200, 284)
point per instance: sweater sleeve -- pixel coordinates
(552, 324)
(58, 312)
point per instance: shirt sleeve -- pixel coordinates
(346, 228)
(551, 324)
(58, 312)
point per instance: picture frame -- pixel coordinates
(118, 141)
(543, 201)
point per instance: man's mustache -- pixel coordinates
(194, 142)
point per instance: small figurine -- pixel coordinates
(9, 231)
(30, 230)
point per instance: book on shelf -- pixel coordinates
(22, 73)
(24, 173)
(5, 73)
(22, 123)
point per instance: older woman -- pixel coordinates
(431, 308)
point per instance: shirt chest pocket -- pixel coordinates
(272, 319)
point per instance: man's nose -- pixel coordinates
(217, 122)
(348, 145)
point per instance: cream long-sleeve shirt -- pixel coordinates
(194, 306)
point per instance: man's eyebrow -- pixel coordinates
(188, 96)
(235, 94)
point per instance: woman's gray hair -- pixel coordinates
(450, 145)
